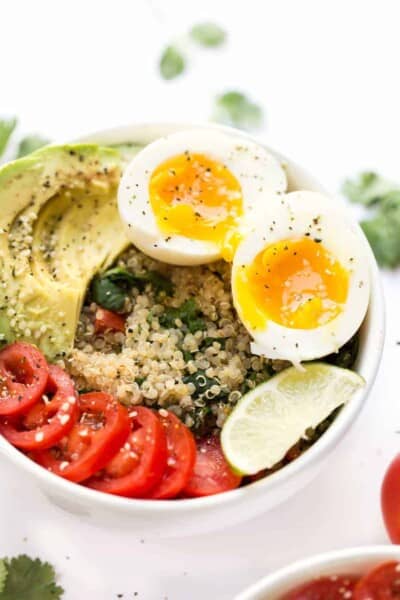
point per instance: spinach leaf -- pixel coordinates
(119, 275)
(172, 63)
(208, 34)
(158, 281)
(7, 126)
(188, 313)
(108, 294)
(109, 289)
(234, 108)
(31, 143)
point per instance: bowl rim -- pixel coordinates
(313, 563)
(376, 330)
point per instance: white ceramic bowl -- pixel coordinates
(346, 562)
(187, 517)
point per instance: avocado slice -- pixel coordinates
(59, 225)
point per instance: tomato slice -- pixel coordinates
(382, 583)
(140, 463)
(23, 377)
(181, 457)
(212, 474)
(48, 420)
(102, 428)
(390, 500)
(325, 588)
(106, 320)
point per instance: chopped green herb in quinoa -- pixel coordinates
(183, 348)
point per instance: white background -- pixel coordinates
(327, 74)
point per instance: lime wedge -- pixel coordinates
(270, 419)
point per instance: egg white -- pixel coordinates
(259, 173)
(291, 217)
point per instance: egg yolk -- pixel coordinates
(199, 198)
(296, 283)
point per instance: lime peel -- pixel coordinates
(270, 419)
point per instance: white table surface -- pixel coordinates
(327, 75)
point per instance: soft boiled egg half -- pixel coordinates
(186, 198)
(300, 278)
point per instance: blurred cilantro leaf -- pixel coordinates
(208, 34)
(30, 143)
(29, 579)
(234, 108)
(172, 63)
(383, 231)
(3, 574)
(7, 126)
(368, 188)
(383, 228)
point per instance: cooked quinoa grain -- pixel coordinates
(187, 351)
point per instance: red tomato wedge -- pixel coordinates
(212, 474)
(102, 428)
(181, 457)
(106, 320)
(382, 583)
(390, 500)
(48, 420)
(141, 461)
(23, 378)
(325, 588)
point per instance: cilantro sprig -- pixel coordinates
(26, 145)
(383, 227)
(7, 127)
(173, 59)
(25, 578)
(30, 143)
(235, 108)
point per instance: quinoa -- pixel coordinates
(198, 372)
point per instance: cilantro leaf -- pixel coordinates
(368, 188)
(383, 231)
(3, 574)
(234, 108)
(31, 143)
(208, 34)
(7, 126)
(383, 228)
(30, 579)
(172, 63)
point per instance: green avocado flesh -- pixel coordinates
(59, 225)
